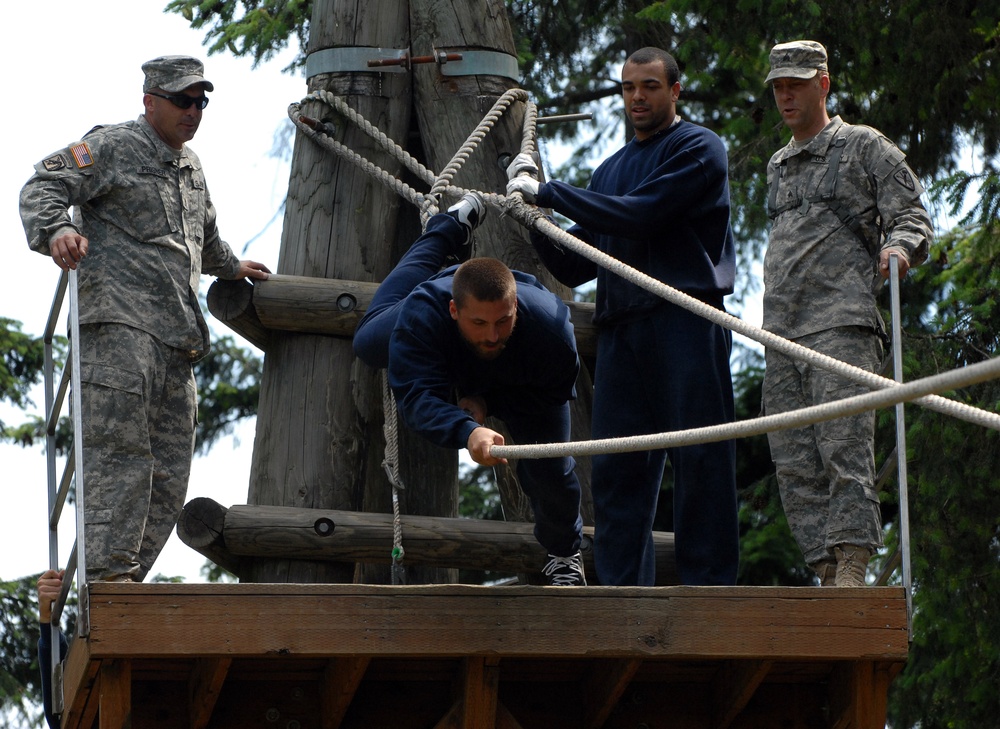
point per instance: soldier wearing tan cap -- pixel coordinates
(842, 200)
(143, 234)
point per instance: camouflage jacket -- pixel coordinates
(818, 271)
(149, 218)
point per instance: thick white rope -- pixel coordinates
(426, 202)
(934, 402)
(953, 379)
(532, 217)
(390, 464)
(500, 107)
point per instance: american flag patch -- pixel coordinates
(81, 153)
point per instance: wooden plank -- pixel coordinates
(80, 673)
(341, 679)
(603, 688)
(462, 620)
(734, 686)
(116, 694)
(203, 688)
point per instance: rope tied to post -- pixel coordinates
(534, 219)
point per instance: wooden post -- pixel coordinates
(448, 109)
(115, 694)
(315, 437)
(319, 442)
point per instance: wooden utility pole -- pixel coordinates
(312, 446)
(319, 441)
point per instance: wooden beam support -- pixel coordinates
(310, 305)
(479, 681)
(116, 694)
(476, 703)
(80, 674)
(859, 695)
(506, 720)
(734, 685)
(346, 536)
(203, 688)
(603, 688)
(340, 682)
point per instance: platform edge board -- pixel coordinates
(261, 620)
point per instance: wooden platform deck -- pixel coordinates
(439, 656)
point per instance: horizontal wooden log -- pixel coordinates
(309, 305)
(341, 536)
(232, 303)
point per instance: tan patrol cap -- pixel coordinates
(797, 59)
(174, 73)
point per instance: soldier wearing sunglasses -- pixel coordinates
(142, 232)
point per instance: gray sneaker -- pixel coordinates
(565, 571)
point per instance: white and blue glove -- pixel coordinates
(527, 186)
(524, 164)
(523, 175)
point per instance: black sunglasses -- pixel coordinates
(183, 100)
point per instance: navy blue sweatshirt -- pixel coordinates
(661, 206)
(429, 361)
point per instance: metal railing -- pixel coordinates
(901, 555)
(60, 483)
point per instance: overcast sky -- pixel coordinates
(68, 66)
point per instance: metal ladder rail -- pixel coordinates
(900, 558)
(59, 485)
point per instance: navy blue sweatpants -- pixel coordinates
(666, 371)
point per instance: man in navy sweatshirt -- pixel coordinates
(661, 205)
(505, 344)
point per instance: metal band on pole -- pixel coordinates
(355, 60)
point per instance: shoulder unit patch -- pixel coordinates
(54, 163)
(904, 178)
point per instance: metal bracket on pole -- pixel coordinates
(356, 60)
(481, 63)
(391, 60)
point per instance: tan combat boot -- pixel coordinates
(852, 564)
(826, 571)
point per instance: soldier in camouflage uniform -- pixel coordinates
(143, 233)
(842, 200)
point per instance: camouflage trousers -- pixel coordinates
(826, 471)
(139, 411)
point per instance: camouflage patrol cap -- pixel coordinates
(797, 59)
(174, 73)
